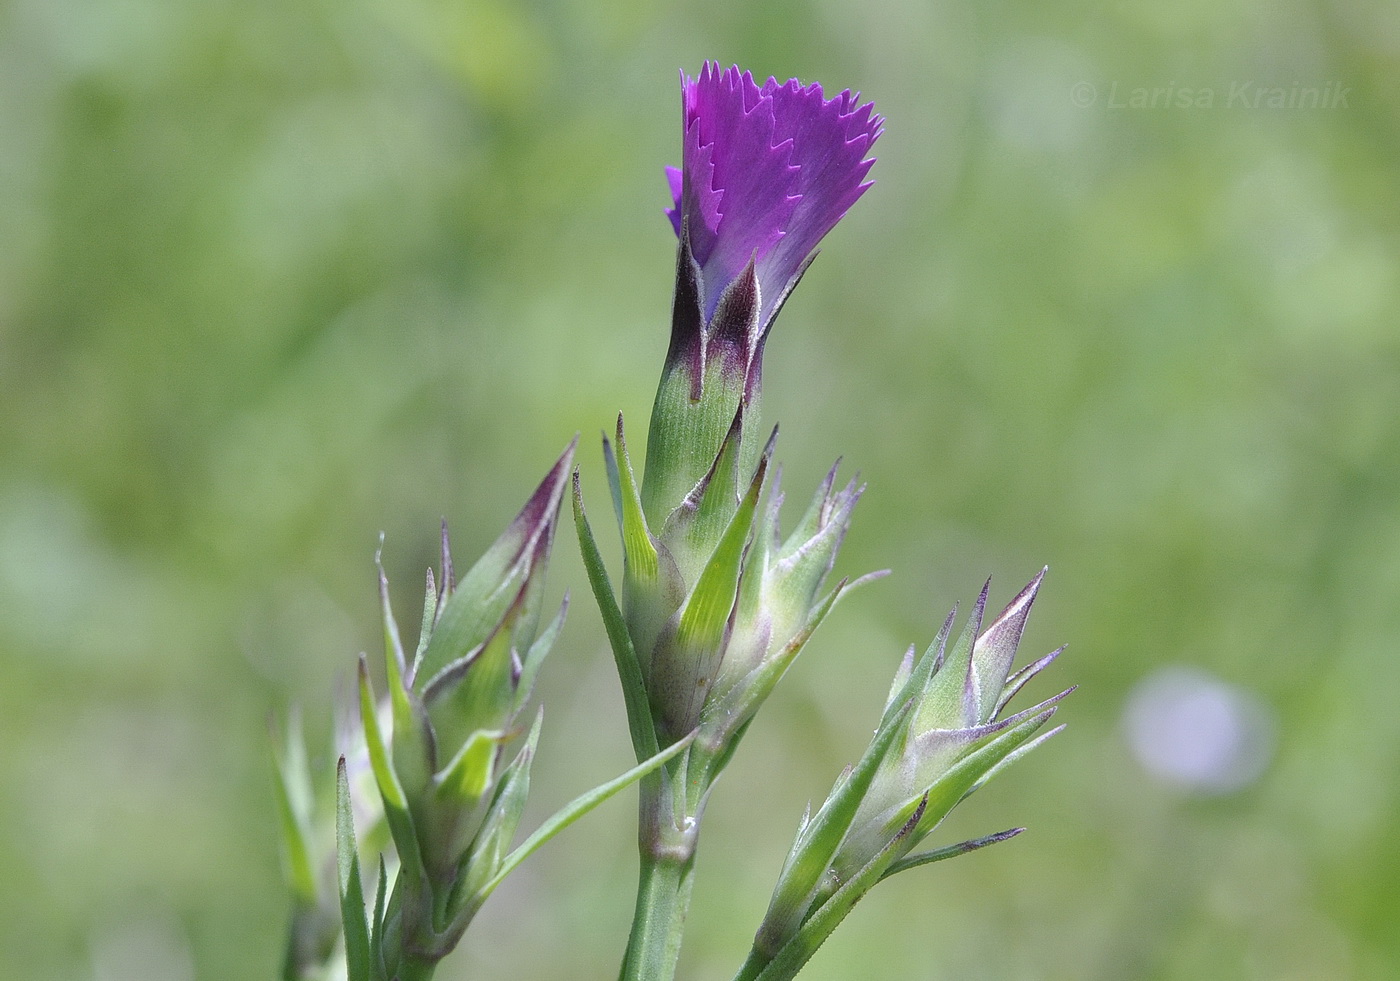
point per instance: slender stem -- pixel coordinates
(663, 898)
(670, 808)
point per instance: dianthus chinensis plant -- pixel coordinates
(710, 608)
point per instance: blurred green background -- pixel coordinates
(277, 276)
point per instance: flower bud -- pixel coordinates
(716, 602)
(451, 806)
(766, 172)
(940, 739)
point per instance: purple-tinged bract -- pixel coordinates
(768, 171)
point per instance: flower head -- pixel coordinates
(767, 172)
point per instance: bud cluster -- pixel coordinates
(437, 751)
(941, 737)
(451, 801)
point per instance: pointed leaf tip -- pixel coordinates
(950, 851)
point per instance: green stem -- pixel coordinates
(670, 805)
(663, 898)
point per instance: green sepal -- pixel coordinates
(384, 775)
(969, 771)
(814, 517)
(947, 776)
(614, 478)
(629, 672)
(918, 678)
(477, 691)
(376, 923)
(702, 618)
(1019, 680)
(394, 665)
(694, 527)
(902, 675)
(652, 586)
(802, 568)
(432, 602)
(511, 797)
(995, 649)
(359, 964)
(748, 607)
(724, 714)
(473, 613)
(1010, 758)
(686, 433)
(817, 842)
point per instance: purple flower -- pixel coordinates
(768, 171)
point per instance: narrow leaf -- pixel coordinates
(946, 698)
(923, 669)
(431, 604)
(358, 963)
(1018, 680)
(580, 806)
(629, 671)
(534, 657)
(949, 851)
(492, 842)
(964, 775)
(736, 708)
(378, 757)
(1010, 758)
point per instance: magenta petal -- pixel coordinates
(767, 173)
